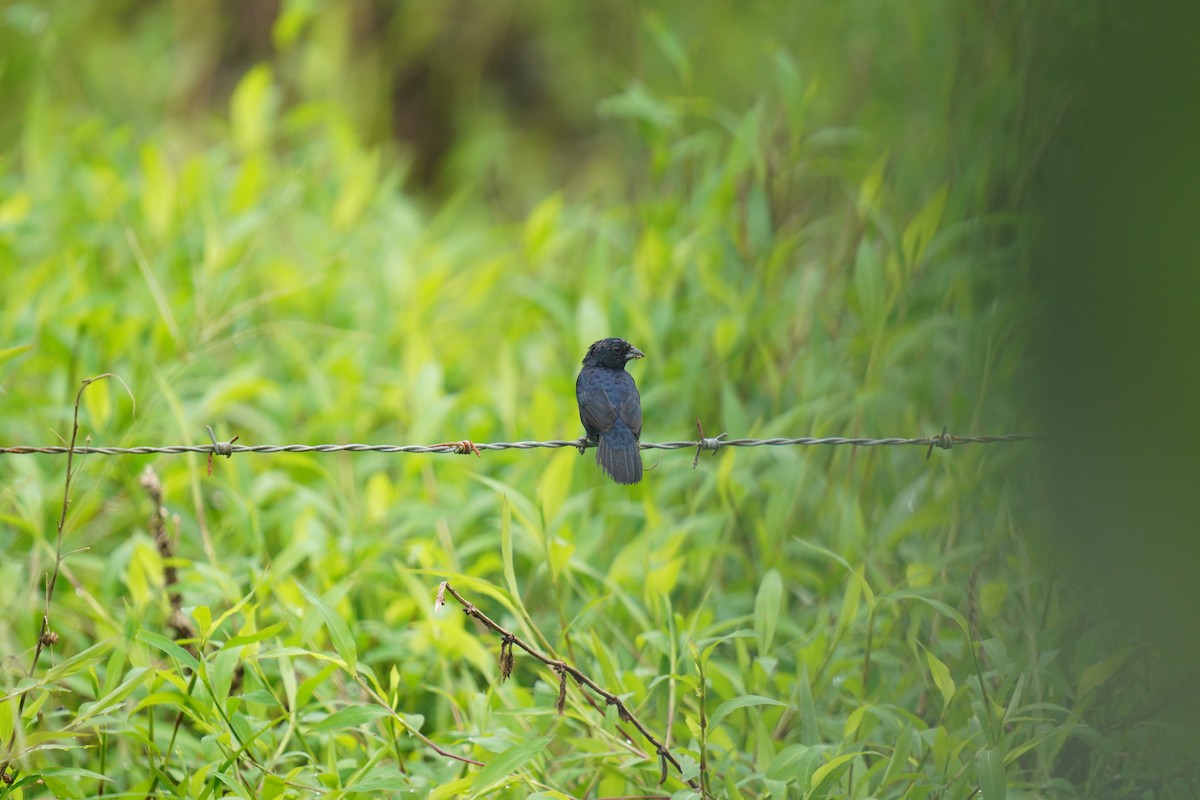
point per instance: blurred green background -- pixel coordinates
(308, 222)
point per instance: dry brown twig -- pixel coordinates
(563, 669)
(179, 622)
(47, 637)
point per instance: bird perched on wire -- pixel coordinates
(611, 409)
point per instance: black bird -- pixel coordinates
(611, 409)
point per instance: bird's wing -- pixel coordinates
(596, 408)
(631, 405)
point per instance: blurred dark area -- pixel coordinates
(417, 78)
(520, 98)
(1119, 263)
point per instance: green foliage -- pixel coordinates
(806, 219)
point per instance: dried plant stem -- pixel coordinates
(509, 639)
(47, 637)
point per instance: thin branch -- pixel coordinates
(47, 637)
(508, 639)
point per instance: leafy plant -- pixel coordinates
(806, 217)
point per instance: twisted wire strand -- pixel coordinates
(943, 441)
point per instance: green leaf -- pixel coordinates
(63, 788)
(75, 772)
(825, 551)
(135, 678)
(759, 225)
(941, 677)
(809, 731)
(745, 701)
(850, 602)
(938, 606)
(159, 189)
(854, 721)
(989, 771)
(898, 763)
(506, 763)
(784, 766)
(252, 108)
(669, 45)
(385, 780)
(220, 671)
(256, 636)
(165, 645)
(732, 792)
(859, 575)
(1101, 671)
(637, 103)
(869, 280)
(768, 605)
(506, 550)
(12, 352)
(360, 180)
(870, 191)
(7, 721)
(351, 717)
(924, 225)
(543, 223)
(379, 497)
(826, 770)
(450, 789)
(97, 399)
(339, 632)
(555, 484)
(203, 617)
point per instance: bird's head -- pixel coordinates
(612, 353)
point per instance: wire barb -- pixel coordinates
(219, 448)
(942, 441)
(465, 447)
(713, 444)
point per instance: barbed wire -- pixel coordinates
(942, 441)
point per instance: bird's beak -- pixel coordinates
(634, 353)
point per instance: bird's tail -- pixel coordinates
(618, 454)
